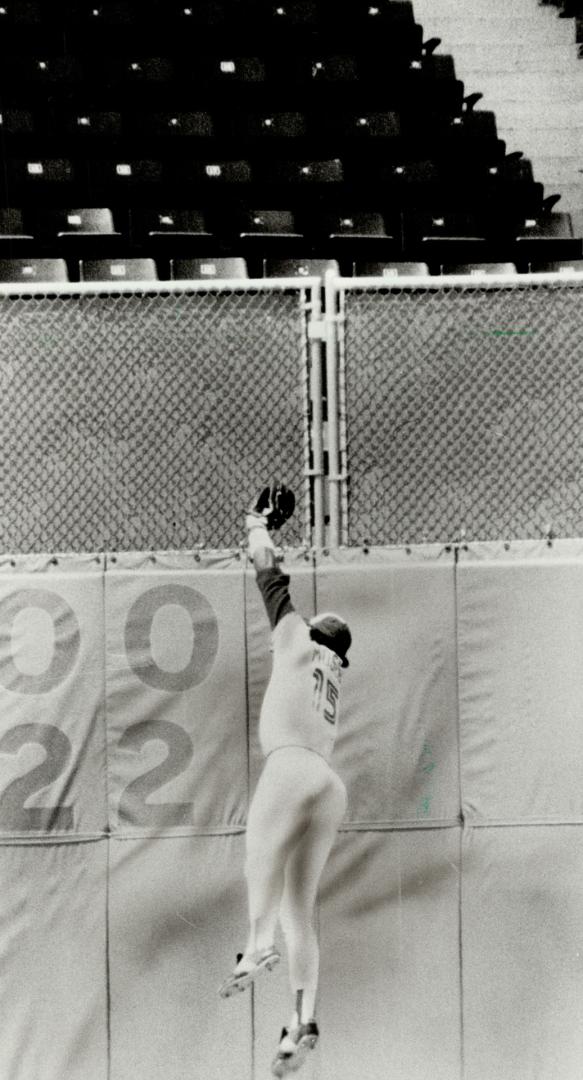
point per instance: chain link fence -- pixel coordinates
(147, 420)
(463, 411)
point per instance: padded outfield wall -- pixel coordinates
(450, 911)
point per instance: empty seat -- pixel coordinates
(83, 222)
(168, 224)
(41, 73)
(172, 124)
(123, 174)
(350, 235)
(445, 237)
(86, 124)
(208, 173)
(269, 125)
(16, 121)
(362, 125)
(12, 229)
(224, 71)
(208, 269)
(268, 225)
(479, 269)
(118, 270)
(28, 174)
(549, 236)
(563, 266)
(33, 271)
(390, 269)
(285, 268)
(301, 172)
(136, 71)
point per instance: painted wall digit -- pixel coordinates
(138, 631)
(133, 807)
(66, 645)
(14, 815)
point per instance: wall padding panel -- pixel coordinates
(523, 953)
(53, 961)
(176, 697)
(177, 917)
(52, 735)
(520, 629)
(398, 742)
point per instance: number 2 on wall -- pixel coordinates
(133, 806)
(14, 815)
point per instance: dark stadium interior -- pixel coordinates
(247, 137)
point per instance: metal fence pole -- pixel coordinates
(314, 425)
(334, 472)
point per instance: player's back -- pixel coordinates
(301, 703)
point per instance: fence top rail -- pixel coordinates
(445, 281)
(153, 288)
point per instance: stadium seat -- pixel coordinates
(13, 235)
(172, 124)
(269, 227)
(78, 124)
(28, 175)
(208, 269)
(563, 266)
(478, 269)
(390, 269)
(137, 71)
(87, 221)
(224, 71)
(300, 172)
(118, 270)
(121, 175)
(207, 173)
(548, 237)
(16, 121)
(284, 268)
(41, 73)
(269, 125)
(346, 236)
(173, 225)
(441, 237)
(33, 271)
(362, 125)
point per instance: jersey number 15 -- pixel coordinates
(329, 701)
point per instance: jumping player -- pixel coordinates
(299, 801)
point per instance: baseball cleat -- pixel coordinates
(293, 1048)
(253, 965)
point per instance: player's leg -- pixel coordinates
(302, 877)
(278, 815)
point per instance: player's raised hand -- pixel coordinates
(273, 506)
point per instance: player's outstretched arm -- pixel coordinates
(272, 508)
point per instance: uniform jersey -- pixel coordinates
(301, 703)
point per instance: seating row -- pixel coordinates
(200, 229)
(46, 271)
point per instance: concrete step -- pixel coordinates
(571, 195)
(560, 142)
(468, 31)
(526, 86)
(543, 115)
(577, 219)
(568, 170)
(544, 59)
(475, 8)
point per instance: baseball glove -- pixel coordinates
(275, 504)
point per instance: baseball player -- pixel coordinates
(299, 801)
